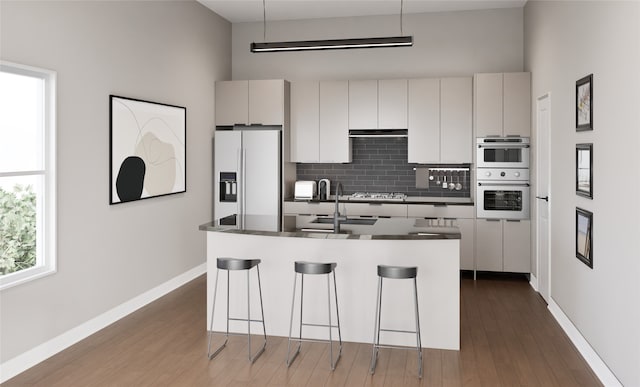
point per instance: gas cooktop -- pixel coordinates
(388, 196)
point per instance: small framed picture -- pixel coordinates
(584, 170)
(584, 236)
(584, 103)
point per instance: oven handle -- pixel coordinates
(505, 184)
(503, 146)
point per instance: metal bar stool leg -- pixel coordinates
(376, 329)
(213, 308)
(335, 293)
(331, 362)
(293, 302)
(419, 341)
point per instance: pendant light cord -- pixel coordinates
(401, 6)
(264, 21)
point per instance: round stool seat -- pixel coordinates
(398, 272)
(236, 264)
(314, 267)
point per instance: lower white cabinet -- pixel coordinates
(467, 246)
(503, 245)
(375, 209)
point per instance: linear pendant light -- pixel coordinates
(330, 44)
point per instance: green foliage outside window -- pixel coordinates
(17, 229)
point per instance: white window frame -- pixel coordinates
(46, 256)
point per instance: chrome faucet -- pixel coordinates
(336, 213)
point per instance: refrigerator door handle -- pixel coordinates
(244, 184)
(239, 184)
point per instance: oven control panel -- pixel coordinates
(503, 174)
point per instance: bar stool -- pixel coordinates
(303, 268)
(396, 272)
(229, 264)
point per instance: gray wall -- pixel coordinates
(445, 44)
(170, 52)
(565, 41)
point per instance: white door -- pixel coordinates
(542, 196)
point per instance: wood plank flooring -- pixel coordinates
(508, 338)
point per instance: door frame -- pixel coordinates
(545, 292)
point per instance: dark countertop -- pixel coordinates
(409, 200)
(382, 229)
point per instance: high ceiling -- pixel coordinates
(237, 11)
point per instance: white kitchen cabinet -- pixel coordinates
(502, 104)
(516, 246)
(232, 102)
(335, 144)
(363, 104)
(456, 120)
(305, 121)
(517, 104)
(309, 208)
(503, 245)
(467, 243)
(423, 121)
(250, 102)
(266, 102)
(378, 104)
(440, 211)
(489, 244)
(392, 104)
(375, 209)
(440, 120)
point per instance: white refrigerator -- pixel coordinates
(248, 178)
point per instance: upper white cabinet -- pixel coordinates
(232, 102)
(335, 144)
(456, 120)
(392, 104)
(378, 104)
(440, 120)
(250, 102)
(319, 122)
(502, 104)
(363, 104)
(305, 121)
(424, 121)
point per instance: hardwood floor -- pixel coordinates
(508, 338)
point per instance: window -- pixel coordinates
(27, 173)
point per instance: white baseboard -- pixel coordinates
(533, 281)
(28, 359)
(595, 362)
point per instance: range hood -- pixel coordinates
(378, 133)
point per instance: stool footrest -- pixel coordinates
(244, 319)
(319, 325)
(397, 331)
(315, 341)
(396, 347)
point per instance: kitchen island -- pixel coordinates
(357, 250)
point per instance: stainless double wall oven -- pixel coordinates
(502, 178)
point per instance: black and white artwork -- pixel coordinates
(147, 149)
(584, 236)
(584, 103)
(584, 170)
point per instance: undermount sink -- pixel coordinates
(360, 221)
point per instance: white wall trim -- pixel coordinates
(595, 362)
(28, 359)
(533, 281)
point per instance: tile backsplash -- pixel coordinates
(380, 165)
